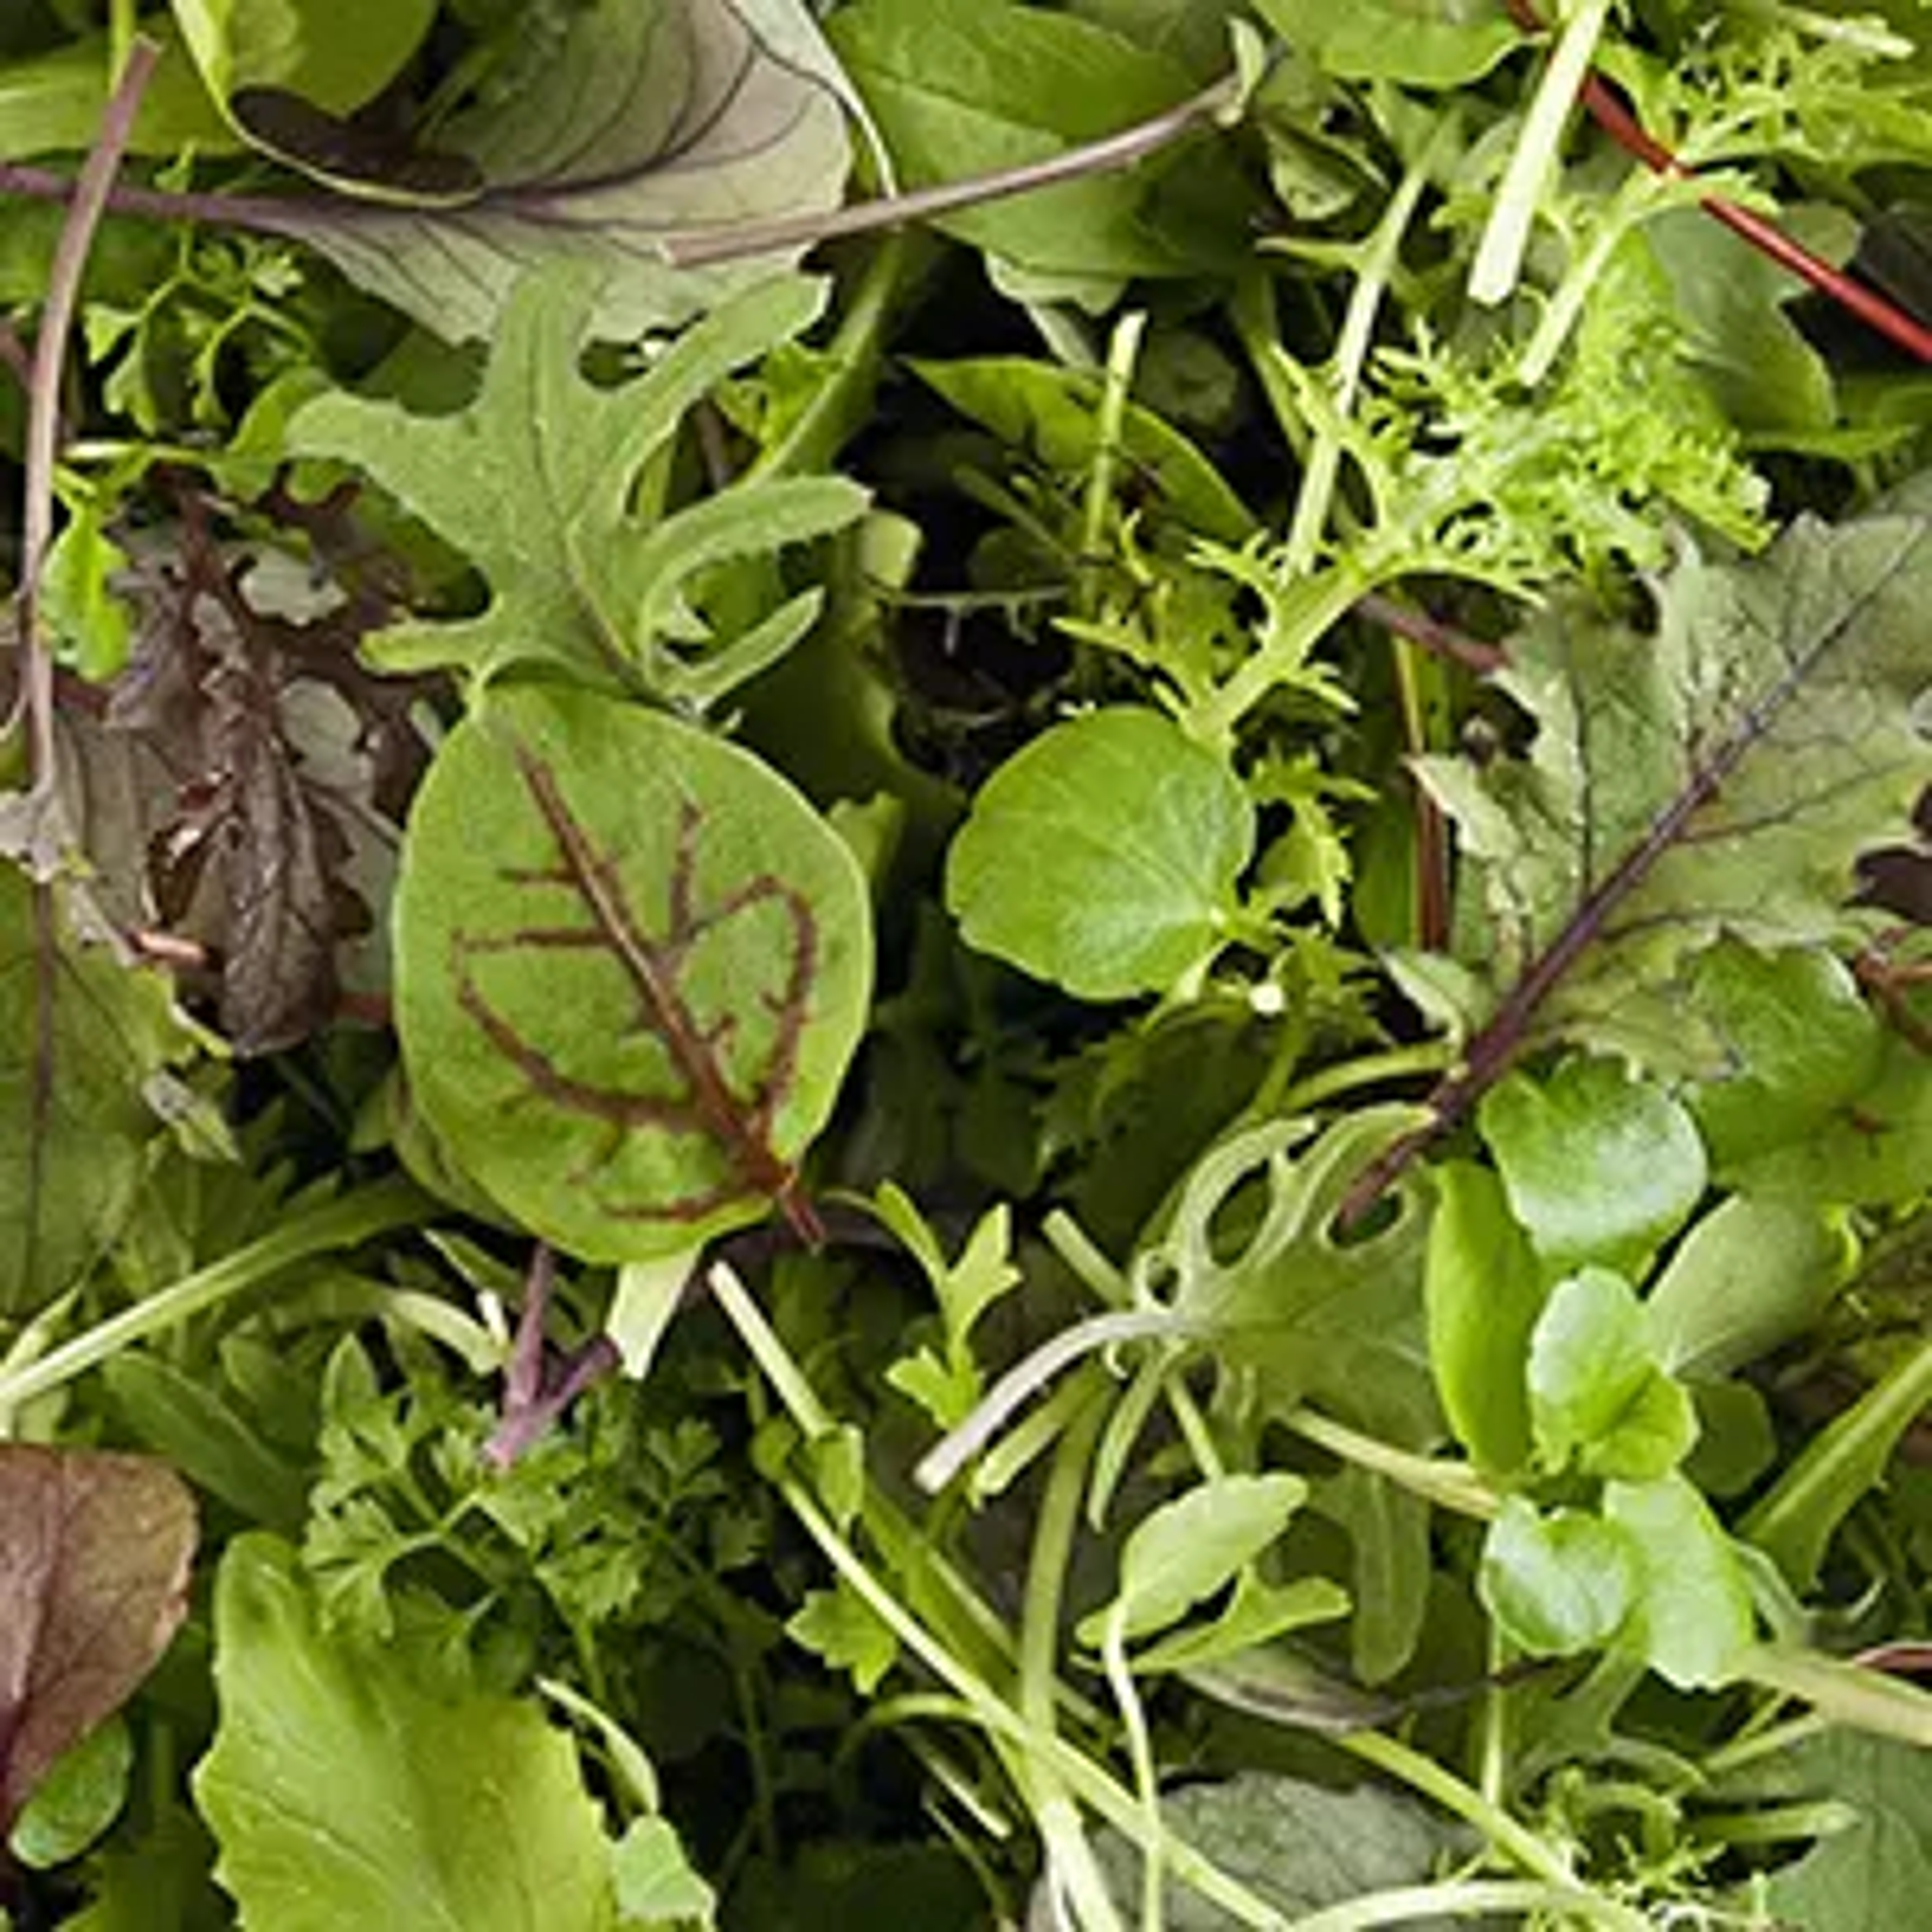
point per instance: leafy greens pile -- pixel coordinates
(968, 961)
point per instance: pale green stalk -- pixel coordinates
(1123, 352)
(1451, 1486)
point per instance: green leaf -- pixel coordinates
(1483, 1291)
(1054, 414)
(1432, 43)
(1298, 1845)
(1596, 1393)
(631, 965)
(532, 483)
(55, 100)
(1104, 856)
(1257, 1613)
(963, 87)
(83, 1040)
(1878, 1871)
(1600, 1167)
(649, 119)
(1188, 1549)
(76, 1802)
(1749, 1276)
(844, 1633)
(1692, 1620)
(93, 1585)
(1556, 1584)
(1799, 1044)
(656, 1885)
(336, 54)
(342, 1792)
(1718, 776)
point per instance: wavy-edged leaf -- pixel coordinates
(83, 1040)
(94, 1550)
(632, 965)
(532, 483)
(652, 119)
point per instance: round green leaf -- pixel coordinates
(632, 964)
(1556, 1584)
(1103, 857)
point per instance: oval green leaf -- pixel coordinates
(632, 965)
(1103, 857)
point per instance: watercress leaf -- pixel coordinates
(532, 481)
(1596, 1392)
(1188, 1549)
(342, 1791)
(1750, 1276)
(656, 1885)
(1257, 1613)
(78, 1799)
(1599, 1166)
(1556, 1583)
(1104, 856)
(95, 1583)
(840, 1629)
(1798, 1042)
(963, 87)
(335, 54)
(83, 1041)
(632, 966)
(649, 118)
(1055, 415)
(1691, 1622)
(1720, 776)
(1483, 1291)
(1433, 43)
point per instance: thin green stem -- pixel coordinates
(1466, 1898)
(346, 1222)
(1452, 1485)
(1425, 1060)
(1123, 352)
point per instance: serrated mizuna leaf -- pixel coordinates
(342, 1792)
(652, 119)
(632, 964)
(531, 483)
(1720, 776)
(94, 1550)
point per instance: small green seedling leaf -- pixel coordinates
(840, 1629)
(1104, 856)
(1600, 1167)
(656, 1885)
(1190, 1548)
(1597, 1393)
(632, 964)
(1556, 1584)
(1691, 1622)
(1483, 1291)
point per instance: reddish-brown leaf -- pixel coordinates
(94, 1551)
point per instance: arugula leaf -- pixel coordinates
(652, 119)
(341, 1791)
(632, 966)
(533, 481)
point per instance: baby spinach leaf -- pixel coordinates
(1598, 1166)
(632, 964)
(342, 1792)
(651, 118)
(533, 480)
(95, 1583)
(1104, 856)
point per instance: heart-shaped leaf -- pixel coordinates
(632, 964)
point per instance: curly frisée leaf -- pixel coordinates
(632, 964)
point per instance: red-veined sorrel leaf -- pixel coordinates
(1720, 777)
(94, 1550)
(632, 964)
